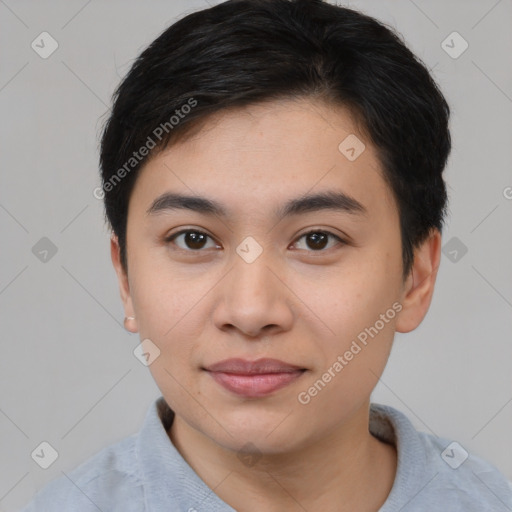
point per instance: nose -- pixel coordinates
(254, 299)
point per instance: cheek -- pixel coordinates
(168, 308)
(165, 299)
(359, 305)
(348, 301)
(353, 359)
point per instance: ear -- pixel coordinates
(419, 285)
(130, 323)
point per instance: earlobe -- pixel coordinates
(130, 322)
(419, 285)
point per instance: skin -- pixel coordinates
(295, 302)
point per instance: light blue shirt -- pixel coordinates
(145, 473)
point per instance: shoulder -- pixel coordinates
(464, 477)
(108, 480)
(436, 473)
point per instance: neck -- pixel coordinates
(346, 469)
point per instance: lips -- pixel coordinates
(254, 379)
(243, 367)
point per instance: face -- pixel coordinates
(292, 254)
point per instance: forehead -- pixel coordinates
(251, 158)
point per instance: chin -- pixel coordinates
(268, 433)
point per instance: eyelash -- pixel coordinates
(172, 237)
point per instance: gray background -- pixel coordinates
(68, 375)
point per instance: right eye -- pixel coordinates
(192, 240)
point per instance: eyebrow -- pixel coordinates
(330, 200)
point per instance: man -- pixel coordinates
(272, 174)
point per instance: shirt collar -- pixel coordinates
(393, 427)
(169, 481)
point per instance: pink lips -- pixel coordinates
(254, 379)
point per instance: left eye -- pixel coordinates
(318, 240)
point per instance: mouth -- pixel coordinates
(254, 379)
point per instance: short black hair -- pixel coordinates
(243, 52)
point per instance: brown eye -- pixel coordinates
(318, 240)
(190, 240)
